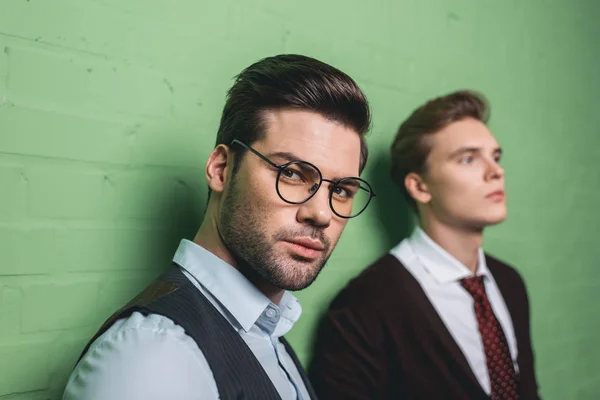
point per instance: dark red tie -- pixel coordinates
(503, 378)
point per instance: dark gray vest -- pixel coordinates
(237, 372)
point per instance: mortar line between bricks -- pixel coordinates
(66, 277)
(58, 46)
(114, 167)
(100, 224)
(96, 115)
(14, 395)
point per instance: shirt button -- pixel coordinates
(271, 313)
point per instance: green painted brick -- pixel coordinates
(24, 366)
(51, 134)
(66, 193)
(246, 17)
(85, 249)
(171, 143)
(11, 299)
(197, 103)
(84, 84)
(19, 257)
(13, 196)
(59, 305)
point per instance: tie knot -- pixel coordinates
(474, 285)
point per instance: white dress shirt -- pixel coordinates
(439, 274)
(150, 357)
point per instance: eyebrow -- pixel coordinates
(287, 157)
(462, 150)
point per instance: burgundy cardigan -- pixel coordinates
(383, 339)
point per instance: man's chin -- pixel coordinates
(483, 221)
(295, 287)
(493, 220)
(304, 275)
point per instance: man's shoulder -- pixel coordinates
(141, 355)
(140, 330)
(508, 279)
(502, 269)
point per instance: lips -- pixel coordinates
(304, 248)
(498, 194)
(309, 243)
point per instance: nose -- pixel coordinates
(494, 170)
(316, 211)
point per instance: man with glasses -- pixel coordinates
(283, 182)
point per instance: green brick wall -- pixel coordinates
(109, 108)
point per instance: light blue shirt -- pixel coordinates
(439, 274)
(150, 357)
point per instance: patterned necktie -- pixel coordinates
(503, 378)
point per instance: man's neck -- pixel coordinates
(462, 244)
(208, 237)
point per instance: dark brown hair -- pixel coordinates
(291, 81)
(412, 143)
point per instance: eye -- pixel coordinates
(466, 160)
(291, 174)
(341, 192)
(347, 192)
(498, 158)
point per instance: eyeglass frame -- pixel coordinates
(281, 167)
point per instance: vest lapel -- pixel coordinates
(292, 354)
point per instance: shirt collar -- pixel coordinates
(230, 287)
(439, 263)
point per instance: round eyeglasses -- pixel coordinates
(298, 181)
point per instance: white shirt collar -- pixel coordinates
(439, 263)
(231, 288)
